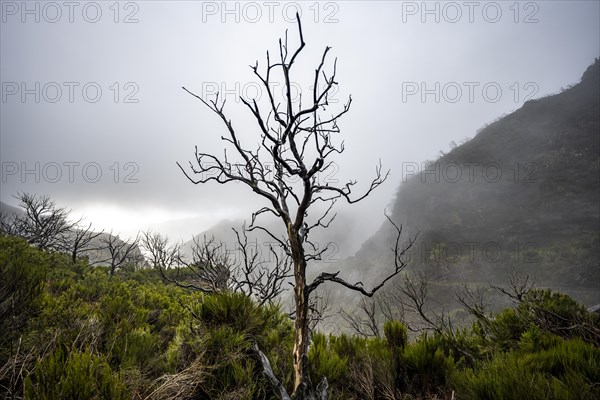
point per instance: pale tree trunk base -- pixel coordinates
(302, 394)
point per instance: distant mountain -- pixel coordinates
(524, 193)
(9, 210)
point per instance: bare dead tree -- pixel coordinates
(391, 309)
(256, 277)
(79, 240)
(363, 321)
(386, 305)
(207, 270)
(160, 253)
(415, 299)
(296, 144)
(43, 223)
(210, 265)
(407, 301)
(212, 268)
(518, 286)
(318, 308)
(474, 301)
(121, 252)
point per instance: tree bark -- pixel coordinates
(301, 334)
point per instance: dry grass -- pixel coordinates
(182, 385)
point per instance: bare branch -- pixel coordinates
(474, 301)
(399, 263)
(43, 224)
(79, 240)
(519, 286)
(120, 252)
(367, 326)
(256, 277)
(319, 305)
(268, 371)
(160, 253)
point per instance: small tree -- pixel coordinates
(296, 145)
(160, 253)
(48, 226)
(258, 278)
(120, 252)
(208, 271)
(79, 240)
(43, 223)
(210, 268)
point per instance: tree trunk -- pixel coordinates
(301, 335)
(301, 341)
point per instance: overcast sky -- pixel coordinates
(93, 113)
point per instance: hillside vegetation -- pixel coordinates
(70, 331)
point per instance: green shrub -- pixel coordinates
(23, 272)
(232, 309)
(396, 334)
(355, 367)
(550, 312)
(243, 314)
(426, 364)
(76, 376)
(348, 346)
(324, 361)
(137, 348)
(559, 314)
(568, 370)
(134, 337)
(383, 360)
(220, 339)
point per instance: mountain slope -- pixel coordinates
(8, 210)
(523, 194)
